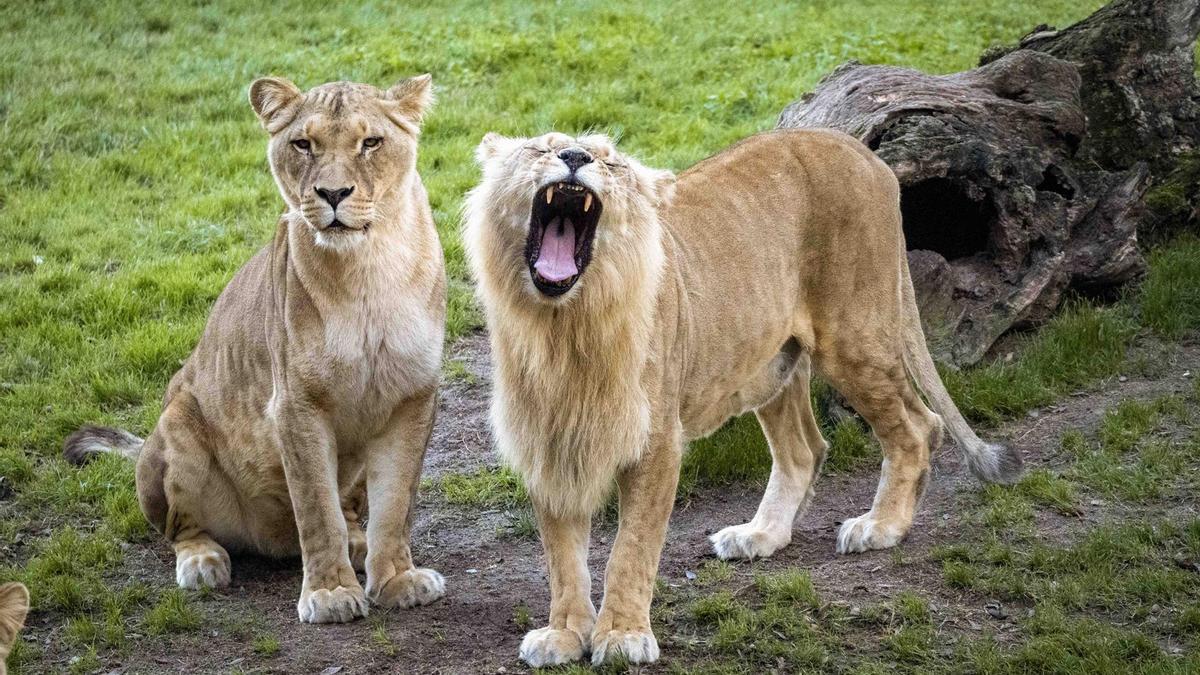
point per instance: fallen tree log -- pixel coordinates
(1027, 176)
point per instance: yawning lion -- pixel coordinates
(630, 313)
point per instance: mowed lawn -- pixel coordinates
(133, 184)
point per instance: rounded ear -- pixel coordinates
(274, 100)
(664, 186)
(412, 97)
(14, 605)
(494, 145)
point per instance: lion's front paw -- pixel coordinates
(551, 647)
(634, 646)
(195, 569)
(746, 541)
(867, 532)
(339, 605)
(419, 586)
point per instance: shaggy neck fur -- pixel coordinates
(568, 435)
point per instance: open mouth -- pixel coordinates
(562, 226)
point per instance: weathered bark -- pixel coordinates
(1025, 177)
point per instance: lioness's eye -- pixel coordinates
(372, 142)
(302, 145)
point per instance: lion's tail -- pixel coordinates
(988, 461)
(90, 441)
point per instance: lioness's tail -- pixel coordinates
(989, 461)
(89, 441)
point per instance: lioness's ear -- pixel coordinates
(14, 605)
(412, 98)
(494, 145)
(274, 100)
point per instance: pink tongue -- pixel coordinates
(556, 259)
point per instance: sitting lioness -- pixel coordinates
(311, 393)
(630, 313)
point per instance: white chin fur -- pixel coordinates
(339, 240)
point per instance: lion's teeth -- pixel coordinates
(549, 196)
(587, 202)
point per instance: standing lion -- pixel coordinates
(631, 313)
(317, 373)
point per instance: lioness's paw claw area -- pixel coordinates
(209, 568)
(419, 586)
(339, 605)
(551, 647)
(744, 541)
(634, 646)
(867, 532)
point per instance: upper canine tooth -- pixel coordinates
(587, 202)
(549, 196)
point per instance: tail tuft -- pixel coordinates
(89, 441)
(996, 463)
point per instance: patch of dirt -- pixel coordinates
(490, 573)
(461, 442)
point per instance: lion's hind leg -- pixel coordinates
(876, 384)
(797, 452)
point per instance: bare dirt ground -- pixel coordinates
(491, 572)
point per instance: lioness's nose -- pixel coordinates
(574, 158)
(334, 195)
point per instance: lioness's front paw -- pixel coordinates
(635, 646)
(339, 605)
(206, 567)
(746, 541)
(867, 532)
(419, 586)
(551, 647)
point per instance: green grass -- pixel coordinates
(173, 614)
(1170, 293)
(266, 645)
(484, 488)
(1129, 461)
(522, 618)
(456, 370)
(382, 641)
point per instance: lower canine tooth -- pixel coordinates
(587, 202)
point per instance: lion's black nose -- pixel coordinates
(334, 195)
(574, 158)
